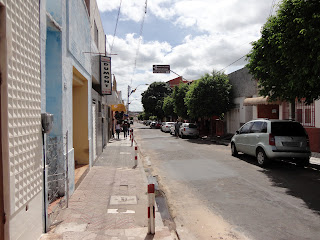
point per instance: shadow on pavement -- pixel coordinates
(302, 183)
(208, 141)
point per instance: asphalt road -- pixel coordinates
(278, 202)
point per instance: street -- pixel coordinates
(212, 195)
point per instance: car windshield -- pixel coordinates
(191, 125)
(287, 129)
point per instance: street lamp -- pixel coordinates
(132, 91)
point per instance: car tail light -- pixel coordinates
(184, 129)
(272, 141)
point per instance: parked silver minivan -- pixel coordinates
(188, 129)
(272, 139)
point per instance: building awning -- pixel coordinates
(259, 100)
(118, 107)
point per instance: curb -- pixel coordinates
(145, 175)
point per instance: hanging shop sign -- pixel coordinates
(106, 79)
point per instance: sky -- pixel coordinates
(194, 37)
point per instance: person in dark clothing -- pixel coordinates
(118, 129)
(128, 128)
(176, 128)
(125, 129)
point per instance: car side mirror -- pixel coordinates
(237, 132)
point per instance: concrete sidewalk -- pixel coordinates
(111, 201)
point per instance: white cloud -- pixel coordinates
(228, 27)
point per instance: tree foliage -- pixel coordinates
(152, 98)
(286, 59)
(209, 96)
(178, 96)
(168, 106)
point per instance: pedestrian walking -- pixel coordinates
(125, 129)
(118, 129)
(176, 128)
(128, 128)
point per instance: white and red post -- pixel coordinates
(136, 155)
(131, 137)
(151, 209)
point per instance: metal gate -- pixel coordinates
(56, 177)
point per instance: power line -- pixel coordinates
(232, 63)
(140, 38)
(115, 29)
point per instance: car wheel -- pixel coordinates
(304, 162)
(182, 136)
(262, 157)
(234, 151)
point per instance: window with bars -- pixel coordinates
(305, 114)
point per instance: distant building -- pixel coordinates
(176, 81)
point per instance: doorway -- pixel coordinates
(80, 124)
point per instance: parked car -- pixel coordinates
(272, 139)
(155, 125)
(172, 130)
(165, 126)
(188, 129)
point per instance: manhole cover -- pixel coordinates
(114, 200)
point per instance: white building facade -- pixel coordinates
(21, 131)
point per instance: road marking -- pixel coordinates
(115, 200)
(117, 211)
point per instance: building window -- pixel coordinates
(96, 34)
(299, 115)
(305, 114)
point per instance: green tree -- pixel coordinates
(286, 59)
(209, 96)
(153, 118)
(178, 96)
(152, 98)
(168, 106)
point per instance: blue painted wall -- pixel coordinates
(54, 79)
(67, 47)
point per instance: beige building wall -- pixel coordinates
(21, 120)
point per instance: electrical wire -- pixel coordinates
(139, 42)
(232, 63)
(115, 29)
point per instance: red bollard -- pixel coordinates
(151, 210)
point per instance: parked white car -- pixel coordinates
(165, 127)
(188, 129)
(272, 139)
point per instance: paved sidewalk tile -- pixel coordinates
(91, 214)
